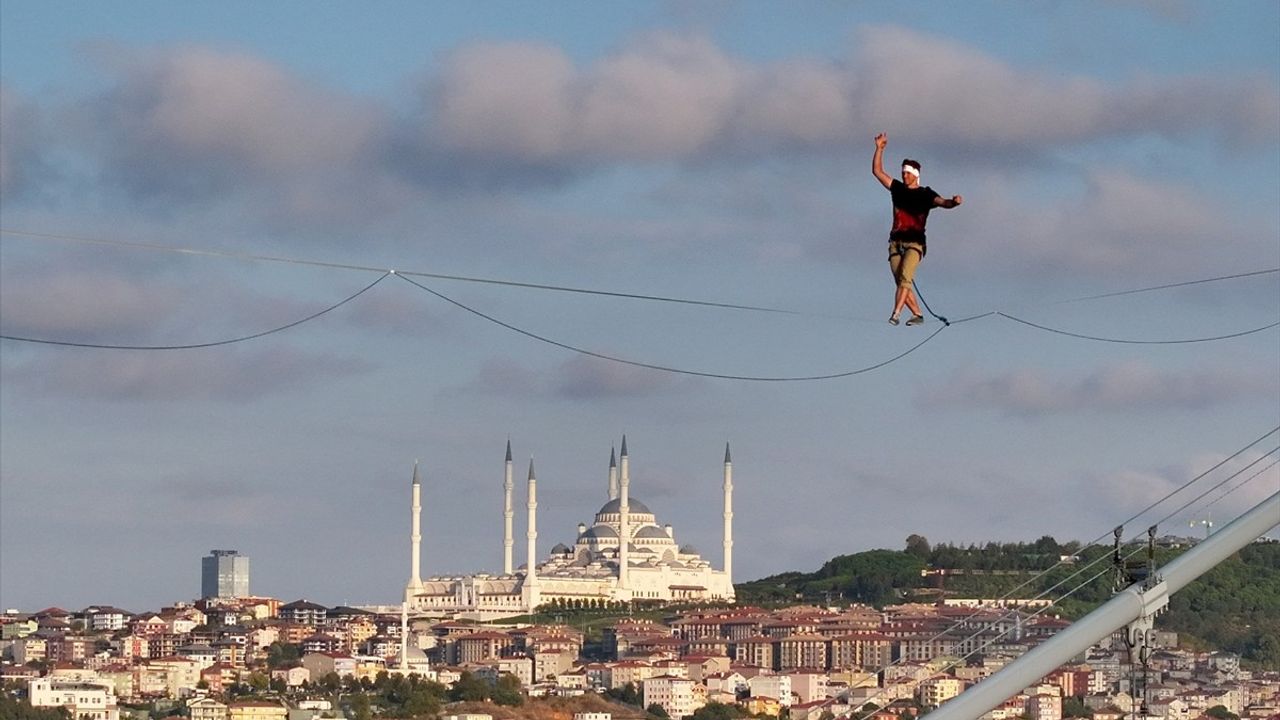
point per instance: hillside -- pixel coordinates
(1234, 607)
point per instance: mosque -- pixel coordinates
(598, 567)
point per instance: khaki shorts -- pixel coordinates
(903, 259)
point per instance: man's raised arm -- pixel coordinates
(877, 161)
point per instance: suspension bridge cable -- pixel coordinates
(1000, 616)
(1137, 342)
(1096, 540)
(295, 323)
(666, 368)
(1078, 587)
(1241, 484)
(1140, 513)
(998, 635)
(1197, 498)
(1049, 590)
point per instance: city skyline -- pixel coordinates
(666, 218)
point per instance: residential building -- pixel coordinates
(675, 695)
(257, 710)
(774, 686)
(304, 612)
(937, 690)
(206, 708)
(320, 664)
(84, 700)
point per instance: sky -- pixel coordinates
(178, 174)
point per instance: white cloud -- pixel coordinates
(514, 99)
(942, 92)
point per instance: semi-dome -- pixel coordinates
(649, 532)
(599, 532)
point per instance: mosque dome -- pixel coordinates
(600, 532)
(634, 507)
(650, 532)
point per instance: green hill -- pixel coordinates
(1234, 607)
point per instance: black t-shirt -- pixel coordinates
(911, 208)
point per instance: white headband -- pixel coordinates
(911, 169)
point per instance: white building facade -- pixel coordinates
(85, 700)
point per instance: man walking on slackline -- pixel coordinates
(911, 206)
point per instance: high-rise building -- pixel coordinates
(224, 574)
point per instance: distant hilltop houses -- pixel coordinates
(257, 658)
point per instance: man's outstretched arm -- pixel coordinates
(877, 161)
(948, 203)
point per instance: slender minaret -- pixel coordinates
(414, 586)
(508, 539)
(728, 516)
(404, 638)
(613, 476)
(531, 572)
(624, 518)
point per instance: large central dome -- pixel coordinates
(634, 506)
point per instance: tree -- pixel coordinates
(258, 681)
(1075, 708)
(657, 711)
(281, 655)
(627, 694)
(22, 710)
(330, 682)
(1221, 712)
(422, 701)
(918, 546)
(469, 687)
(718, 711)
(360, 707)
(506, 691)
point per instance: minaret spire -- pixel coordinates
(728, 516)
(404, 638)
(613, 475)
(531, 568)
(508, 514)
(624, 522)
(415, 539)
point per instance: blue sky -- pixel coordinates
(712, 151)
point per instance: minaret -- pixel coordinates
(728, 516)
(508, 539)
(613, 476)
(531, 594)
(624, 520)
(415, 540)
(404, 638)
